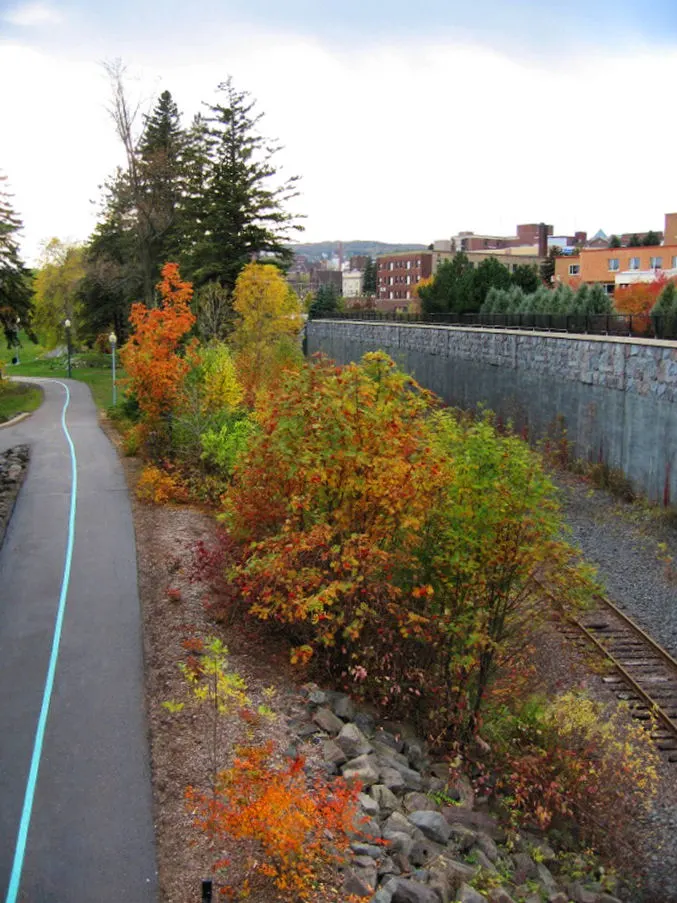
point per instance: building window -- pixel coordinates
(392, 265)
(634, 263)
(609, 287)
(409, 264)
(674, 263)
(614, 264)
(655, 263)
(574, 269)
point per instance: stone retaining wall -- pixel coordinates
(617, 397)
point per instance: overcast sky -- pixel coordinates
(406, 122)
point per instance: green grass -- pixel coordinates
(89, 367)
(18, 399)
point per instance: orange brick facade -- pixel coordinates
(602, 265)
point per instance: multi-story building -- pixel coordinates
(617, 267)
(399, 274)
(353, 283)
(534, 235)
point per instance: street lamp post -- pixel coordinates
(113, 339)
(67, 324)
(18, 340)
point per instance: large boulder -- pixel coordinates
(327, 721)
(353, 742)
(363, 769)
(385, 798)
(467, 894)
(433, 824)
(407, 891)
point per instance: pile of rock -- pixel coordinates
(422, 837)
(13, 464)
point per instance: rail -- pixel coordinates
(637, 325)
(646, 673)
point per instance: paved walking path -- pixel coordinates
(91, 832)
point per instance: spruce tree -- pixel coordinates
(161, 174)
(15, 279)
(237, 212)
(370, 277)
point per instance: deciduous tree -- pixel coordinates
(57, 285)
(268, 320)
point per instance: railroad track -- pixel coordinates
(645, 675)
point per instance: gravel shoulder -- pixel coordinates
(635, 550)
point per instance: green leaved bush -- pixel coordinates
(396, 544)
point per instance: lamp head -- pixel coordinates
(112, 338)
(67, 323)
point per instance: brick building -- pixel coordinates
(398, 274)
(615, 267)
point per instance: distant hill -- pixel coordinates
(318, 250)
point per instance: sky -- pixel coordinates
(406, 122)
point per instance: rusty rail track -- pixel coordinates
(644, 675)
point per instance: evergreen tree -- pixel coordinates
(547, 270)
(614, 242)
(235, 212)
(451, 289)
(490, 273)
(599, 302)
(526, 276)
(326, 301)
(634, 241)
(162, 179)
(15, 278)
(667, 301)
(113, 277)
(651, 239)
(370, 277)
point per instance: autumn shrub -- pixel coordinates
(155, 360)
(394, 543)
(571, 762)
(290, 829)
(159, 486)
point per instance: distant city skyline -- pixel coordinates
(404, 125)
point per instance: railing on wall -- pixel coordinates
(638, 325)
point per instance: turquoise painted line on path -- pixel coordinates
(29, 796)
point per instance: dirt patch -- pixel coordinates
(175, 610)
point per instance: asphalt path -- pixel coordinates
(90, 836)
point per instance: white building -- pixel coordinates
(353, 283)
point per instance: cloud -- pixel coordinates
(398, 141)
(31, 14)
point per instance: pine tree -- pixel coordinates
(370, 277)
(15, 279)
(161, 173)
(599, 302)
(236, 212)
(113, 277)
(326, 301)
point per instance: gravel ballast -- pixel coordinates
(635, 549)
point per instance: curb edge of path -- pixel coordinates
(15, 420)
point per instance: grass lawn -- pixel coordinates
(89, 367)
(18, 399)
